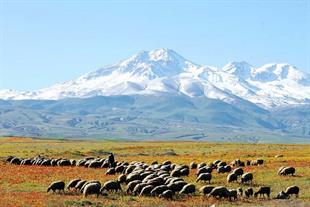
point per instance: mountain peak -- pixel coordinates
(164, 54)
(158, 55)
(241, 69)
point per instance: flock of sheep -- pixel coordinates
(163, 180)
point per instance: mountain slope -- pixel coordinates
(163, 71)
(148, 117)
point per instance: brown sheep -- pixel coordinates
(110, 171)
(177, 186)
(247, 177)
(282, 195)
(57, 185)
(168, 194)
(146, 191)
(219, 192)
(262, 191)
(138, 188)
(73, 183)
(188, 189)
(232, 177)
(292, 190)
(80, 184)
(204, 177)
(121, 178)
(287, 171)
(92, 188)
(238, 171)
(206, 189)
(233, 193)
(132, 185)
(111, 185)
(159, 190)
(249, 192)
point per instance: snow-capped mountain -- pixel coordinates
(163, 71)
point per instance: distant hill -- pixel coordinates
(153, 118)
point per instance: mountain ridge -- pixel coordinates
(164, 71)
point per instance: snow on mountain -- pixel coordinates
(163, 71)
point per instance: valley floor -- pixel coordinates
(26, 185)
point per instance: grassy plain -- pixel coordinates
(26, 185)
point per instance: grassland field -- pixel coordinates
(26, 185)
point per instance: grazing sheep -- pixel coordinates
(167, 162)
(236, 162)
(240, 191)
(88, 182)
(165, 168)
(95, 164)
(188, 189)
(133, 176)
(121, 178)
(48, 163)
(57, 185)
(193, 165)
(221, 169)
(138, 188)
(247, 177)
(233, 193)
(173, 180)
(111, 185)
(159, 190)
(204, 177)
(120, 169)
(249, 192)
(132, 185)
(168, 194)
(105, 164)
(26, 161)
(238, 171)
(219, 192)
(202, 164)
(227, 168)
(262, 191)
(203, 170)
(184, 172)
(146, 191)
(9, 158)
(206, 189)
(110, 171)
(175, 173)
(80, 184)
(287, 171)
(232, 177)
(282, 195)
(91, 188)
(73, 183)
(221, 164)
(156, 181)
(292, 190)
(177, 186)
(16, 161)
(64, 162)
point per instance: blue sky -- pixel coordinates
(44, 42)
